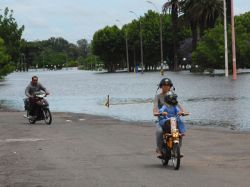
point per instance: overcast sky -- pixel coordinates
(77, 19)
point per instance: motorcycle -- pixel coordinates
(172, 140)
(42, 111)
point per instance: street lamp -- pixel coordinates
(43, 61)
(142, 66)
(150, 2)
(23, 62)
(126, 40)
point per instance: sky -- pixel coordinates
(78, 19)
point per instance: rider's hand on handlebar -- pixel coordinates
(182, 113)
(164, 113)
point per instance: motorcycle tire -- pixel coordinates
(166, 157)
(164, 161)
(31, 121)
(47, 116)
(176, 156)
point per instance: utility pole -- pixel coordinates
(226, 39)
(233, 42)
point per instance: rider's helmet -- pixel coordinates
(171, 98)
(165, 81)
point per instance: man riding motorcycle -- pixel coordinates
(165, 85)
(33, 87)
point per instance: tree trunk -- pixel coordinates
(194, 34)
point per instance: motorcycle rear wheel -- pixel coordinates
(176, 156)
(47, 116)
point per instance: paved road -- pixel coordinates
(81, 150)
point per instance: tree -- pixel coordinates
(151, 39)
(201, 15)
(210, 50)
(11, 33)
(209, 53)
(5, 67)
(83, 47)
(108, 45)
(50, 53)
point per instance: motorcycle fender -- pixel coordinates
(176, 141)
(45, 107)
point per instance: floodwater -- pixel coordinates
(212, 101)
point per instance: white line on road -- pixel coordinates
(22, 140)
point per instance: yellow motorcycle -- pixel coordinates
(172, 142)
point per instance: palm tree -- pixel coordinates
(190, 19)
(201, 14)
(174, 7)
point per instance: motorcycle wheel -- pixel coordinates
(31, 121)
(166, 157)
(164, 161)
(176, 156)
(47, 116)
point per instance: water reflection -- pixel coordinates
(215, 101)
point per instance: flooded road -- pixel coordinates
(212, 101)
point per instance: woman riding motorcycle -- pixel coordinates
(165, 85)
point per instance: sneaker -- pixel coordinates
(28, 116)
(159, 153)
(31, 117)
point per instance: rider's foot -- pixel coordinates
(181, 155)
(28, 116)
(159, 153)
(31, 117)
(25, 116)
(160, 156)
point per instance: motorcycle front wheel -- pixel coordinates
(166, 156)
(164, 161)
(176, 156)
(47, 116)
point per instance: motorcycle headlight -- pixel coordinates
(175, 135)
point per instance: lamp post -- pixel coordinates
(23, 62)
(161, 42)
(43, 62)
(126, 43)
(226, 40)
(233, 42)
(142, 65)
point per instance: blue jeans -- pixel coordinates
(159, 136)
(180, 124)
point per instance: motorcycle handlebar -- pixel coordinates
(180, 114)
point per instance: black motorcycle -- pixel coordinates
(40, 109)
